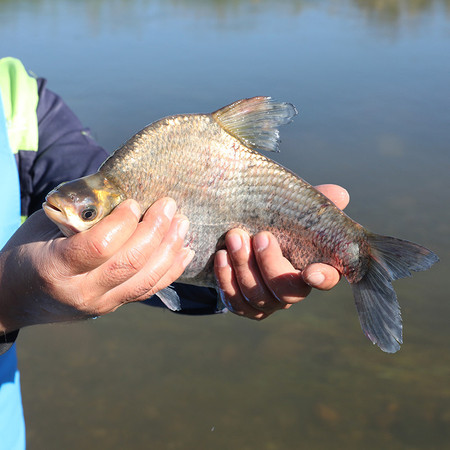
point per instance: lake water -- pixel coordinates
(371, 80)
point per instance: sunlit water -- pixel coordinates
(371, 82)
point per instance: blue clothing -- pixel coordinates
(12, 424)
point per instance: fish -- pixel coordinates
(212, 165)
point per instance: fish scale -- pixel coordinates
(210, 165)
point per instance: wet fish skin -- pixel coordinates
(209, 164)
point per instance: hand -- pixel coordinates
(47, 278)
(255, 279)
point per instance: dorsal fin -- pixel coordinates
(255, 121)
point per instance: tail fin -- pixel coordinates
(375, 298)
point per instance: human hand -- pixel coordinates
(255, 279)
(47, 278)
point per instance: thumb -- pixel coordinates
(89, 249)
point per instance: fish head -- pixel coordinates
(78, 205)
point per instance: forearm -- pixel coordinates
(19, 293)
(10, 309)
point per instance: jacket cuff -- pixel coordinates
(7, 340)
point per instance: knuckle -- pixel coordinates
(259, 304)
(51, 276)
(256, 297)
(252, 315)
(259, 317)
(265, 303)
(83, 304)
(96, 248)
(126, 265)
(154, 219)
(151, 280)
(240, 259)
(238, 312)
(159, 227)
(240, 264)
(134, 260)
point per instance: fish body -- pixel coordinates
(210, 165)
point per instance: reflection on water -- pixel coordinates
(393, 11)
(370, 79)
(387, 11)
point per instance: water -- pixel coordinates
(371, 82)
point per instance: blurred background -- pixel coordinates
(371, 82)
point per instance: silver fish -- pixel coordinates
(210, 165)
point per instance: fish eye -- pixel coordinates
(89, 213)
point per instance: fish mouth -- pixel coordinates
(50, 206)
(52, 210)
(57, 215)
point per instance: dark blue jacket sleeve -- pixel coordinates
(195, 300)
(66, 151)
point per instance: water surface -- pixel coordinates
(371, 82)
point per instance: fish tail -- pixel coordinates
(375, 298)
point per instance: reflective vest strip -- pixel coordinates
(20, 99)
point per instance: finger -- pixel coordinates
(114, 300)
(229, 289)
(87, 250)
(147, 280)
(247, 274)
(135, 253)
(285, 282)
(337, 194)
(182, 260)
(321, 276)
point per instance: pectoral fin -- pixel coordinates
(170, 298)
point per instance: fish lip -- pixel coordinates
(53, 211)
(48, 205)
(55, 214)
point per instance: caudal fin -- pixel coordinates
(375, 298)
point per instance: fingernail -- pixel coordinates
(261, 242)
(135, 209)
(345, 195)
(188, 258)
(315, 278)
(221, 258)
(183, 227)
(170, 208)
(234, 242)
